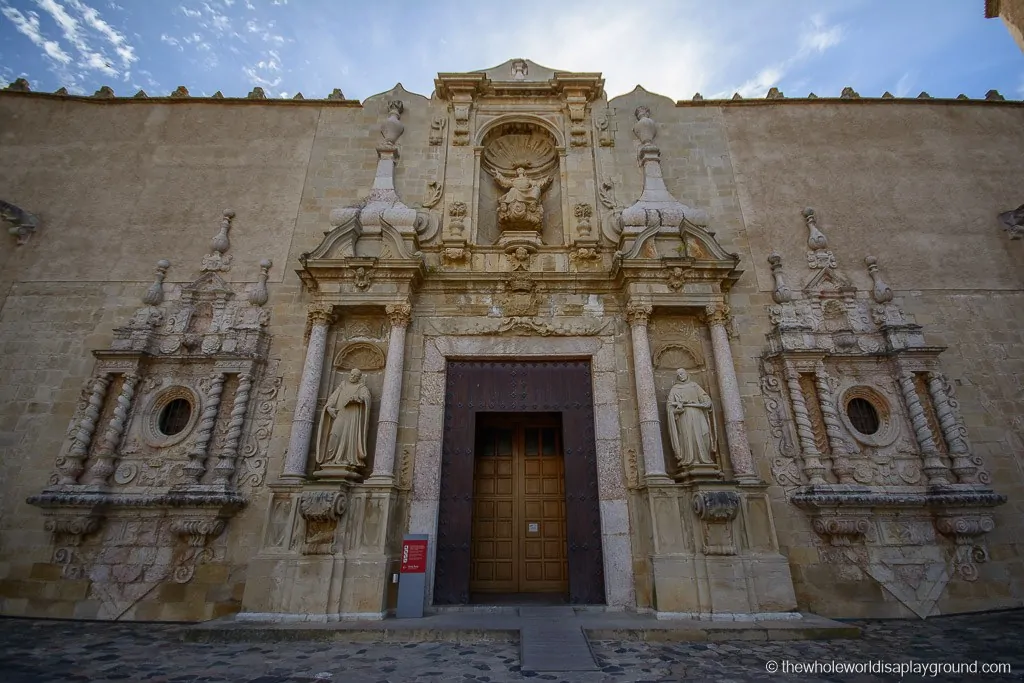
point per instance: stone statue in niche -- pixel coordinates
(691, 423)
(348, 410)
(520, 207)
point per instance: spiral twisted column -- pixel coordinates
(840, 449)
(225, 467)
(965, 471)
(320, 316)
(106, 456)
(804, 431)
(73, 463)
(198, 453)
(934, 468)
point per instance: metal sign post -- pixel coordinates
(412, 582)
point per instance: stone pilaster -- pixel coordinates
(742, 460)
(638, 315)
(391, 396)
(320, 316)
(813, 469)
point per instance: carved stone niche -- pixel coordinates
(321, 512)
(717, 511)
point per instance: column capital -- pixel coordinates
(320, 314)
(399, 314)
(717, 314)
(638, 312)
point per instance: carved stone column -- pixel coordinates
(809, 453)
(197, 454)
(638, 315)
(320, 316)
(840, 449)
(716, 317)
(106, 456)
(391, 396)
(73, 463)
(225, 467)
(963, 466)
(933, 467)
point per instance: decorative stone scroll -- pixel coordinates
(321, 511)
(716, 510)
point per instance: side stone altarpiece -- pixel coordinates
(871, 441)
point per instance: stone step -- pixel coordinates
(551, 639)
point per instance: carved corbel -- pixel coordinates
(23, 223)
(67, 530)
(321, 511)
(197, 532)
(965, 531)
(841, 530)
(716, 511)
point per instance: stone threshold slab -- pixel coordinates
(477, 627)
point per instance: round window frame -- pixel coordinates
(888, 429)
(151, 433)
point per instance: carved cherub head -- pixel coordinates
(522, 254)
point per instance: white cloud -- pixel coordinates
(759, 84)
(821, 37)
(191, 13)
(256, 79)
(71, 28)
(904, 85)
(28, 26)
(120, 44)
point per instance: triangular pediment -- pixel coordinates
(828, 281)
(208, 285)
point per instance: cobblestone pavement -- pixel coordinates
(41, 651)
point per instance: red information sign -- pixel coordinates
(414, 557)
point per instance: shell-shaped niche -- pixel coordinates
(520, 146)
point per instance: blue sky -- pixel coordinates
(673, 47)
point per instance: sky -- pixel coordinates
(672, 47)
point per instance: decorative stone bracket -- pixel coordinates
(321, 511)
(966, 531)
(717, 510)
(197, 533)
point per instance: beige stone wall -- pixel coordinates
(1012, 14)
(119, 185)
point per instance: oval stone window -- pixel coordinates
(174, 417)
(863, 415)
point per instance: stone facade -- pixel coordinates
(1012, 14)
(863, 357)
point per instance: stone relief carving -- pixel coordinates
(520, 207)
(605, 124)
(344, 428)
(359, 355)
(716, 510)
(1013, 222)
(437, 127)
(874, 481)
(517, 325)
(23, 224)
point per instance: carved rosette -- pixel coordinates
(966, 530)
(716, 510)
(321, 511)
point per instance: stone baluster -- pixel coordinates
(638, 315)
(813, 468)
(391, 396)
(106, 455)
(717, 316)
(934, 468)
(225, 468)
(320, 316)
(965, 471)
(73, 463)
(840, 448)
(198, 453)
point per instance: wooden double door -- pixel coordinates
(519, 540)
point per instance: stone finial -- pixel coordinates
(849, 94)
(392, 128)
(994, 96)
(19, 85)
(259, 294)
(881, 292)
(697, 97)
(141, 95)
(336, 94)
(298, 96)
(105, 92)
(645, 128)
(217, 95)
(888, 95)
(816, 238)
(218, 261)
(924, 96)
(812, 96)
(583, 212)
(774, 94)
(180, 91)
(781, 294)
(962, 96)
(737, 96)
(155, 294)
(257, 94)
(61, 91)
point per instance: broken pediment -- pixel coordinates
(829, 282)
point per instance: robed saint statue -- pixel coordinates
(691, 423)
(348, 413)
